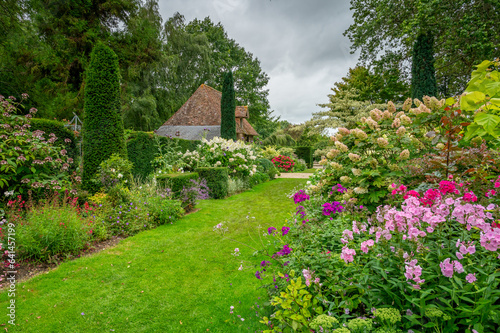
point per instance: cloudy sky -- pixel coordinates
(298, 42)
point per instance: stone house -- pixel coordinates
(201, 115)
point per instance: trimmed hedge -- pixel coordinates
(102, 123)
(176, 181)
(142, 148)
(61, 132)
(305, 153)
(217, 181)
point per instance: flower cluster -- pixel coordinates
(284, 163)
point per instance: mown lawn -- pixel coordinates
(176, 278)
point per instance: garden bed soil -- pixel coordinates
(27, 270)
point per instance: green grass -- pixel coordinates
(159, 278)
(307, 171)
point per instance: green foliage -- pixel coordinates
(164, 210)
(423, 78)
(385, 32)
(265, 165)
(279, 139)
(305, 153)
(29, 160)
(228, 107)
(114, 171)
(258, 178)
(148, 151)
(176, 181)
(66, 137)
(324, 321)
(217, 181)
(102, 124)
(51, 231)
(482, 101)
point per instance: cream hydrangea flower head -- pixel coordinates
(396, 123)
(376, 115)
(336, 166)
(360, 190)
(407, 104)
(401, 131)
(354, 157)
(382, 142)
(391, 107)
(342, 147)
(345, 179)
(356, 172)
(405, 120)
(332, 153)
(372, 123)
(359, 133)
(344, 131)
(405, 154)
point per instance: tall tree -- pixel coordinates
(465, 32)
(423, 79)
(228, 107)
(102, 122)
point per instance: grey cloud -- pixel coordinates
(299, 44)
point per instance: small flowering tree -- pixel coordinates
(29, 160)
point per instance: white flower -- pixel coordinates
(9, 193)
(113, 170)
(120, 175)
(241, 268)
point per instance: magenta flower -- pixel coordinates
(471, 278)
(285, 230)
(300, 196)
(270, 230)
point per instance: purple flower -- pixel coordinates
(283, 252)
(257, 275)
(285, 230)
(334, 207)
(300, 196)
(265, 263)
(270, 230)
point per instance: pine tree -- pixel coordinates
(423, 77)
(227, 108)
(102, 124)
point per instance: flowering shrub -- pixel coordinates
(283, 163)
(29, 160)
(115, 171)
(198, 190)
(238, 156)
(432, 256)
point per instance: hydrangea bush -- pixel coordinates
(238, 156)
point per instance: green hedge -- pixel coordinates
(142, 148)
(217, 181)
(176, 181)
(305, 153)
(61, 132)
(258, 178)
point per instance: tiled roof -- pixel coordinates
(203, 109)
(246, 129)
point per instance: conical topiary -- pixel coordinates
(228, 107)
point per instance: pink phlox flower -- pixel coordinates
(471, 249)
(430, 230)
(355, 228)
(491, 207)
(446, 186)
(459, 255)
(449, 201)
(458, 266)
(308, 276)
(347, 254)
(347, 234)
(366, 244)
(463, 249)
(471, 278)
(469, 197)
(490, 240)
(446, 268)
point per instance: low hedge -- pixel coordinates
(142, 148)
(176, 181)
(217, 181)
(61, 132)
(258, 178)
(305, 153)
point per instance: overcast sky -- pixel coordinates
(299, 44)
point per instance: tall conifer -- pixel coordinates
(228, 107)
(423, 77)
(102, 123)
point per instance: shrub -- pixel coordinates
(266, 166)
(50, 230)
(305, 153)
(300, 165)
(258, 178)
(165, 210)
(102, 123)
(235, 186)
(283, 163)
(238, 156)
(177, 181)
(269, 152)
(29, 160)
(66, 137)
(217, 181)
(195, 190)
(113, 171)
(148, 152)
(279, 139)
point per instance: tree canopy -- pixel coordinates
(466, 32)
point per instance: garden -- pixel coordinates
(113, 229)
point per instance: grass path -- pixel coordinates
(176, 278)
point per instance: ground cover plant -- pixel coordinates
(154, 280)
